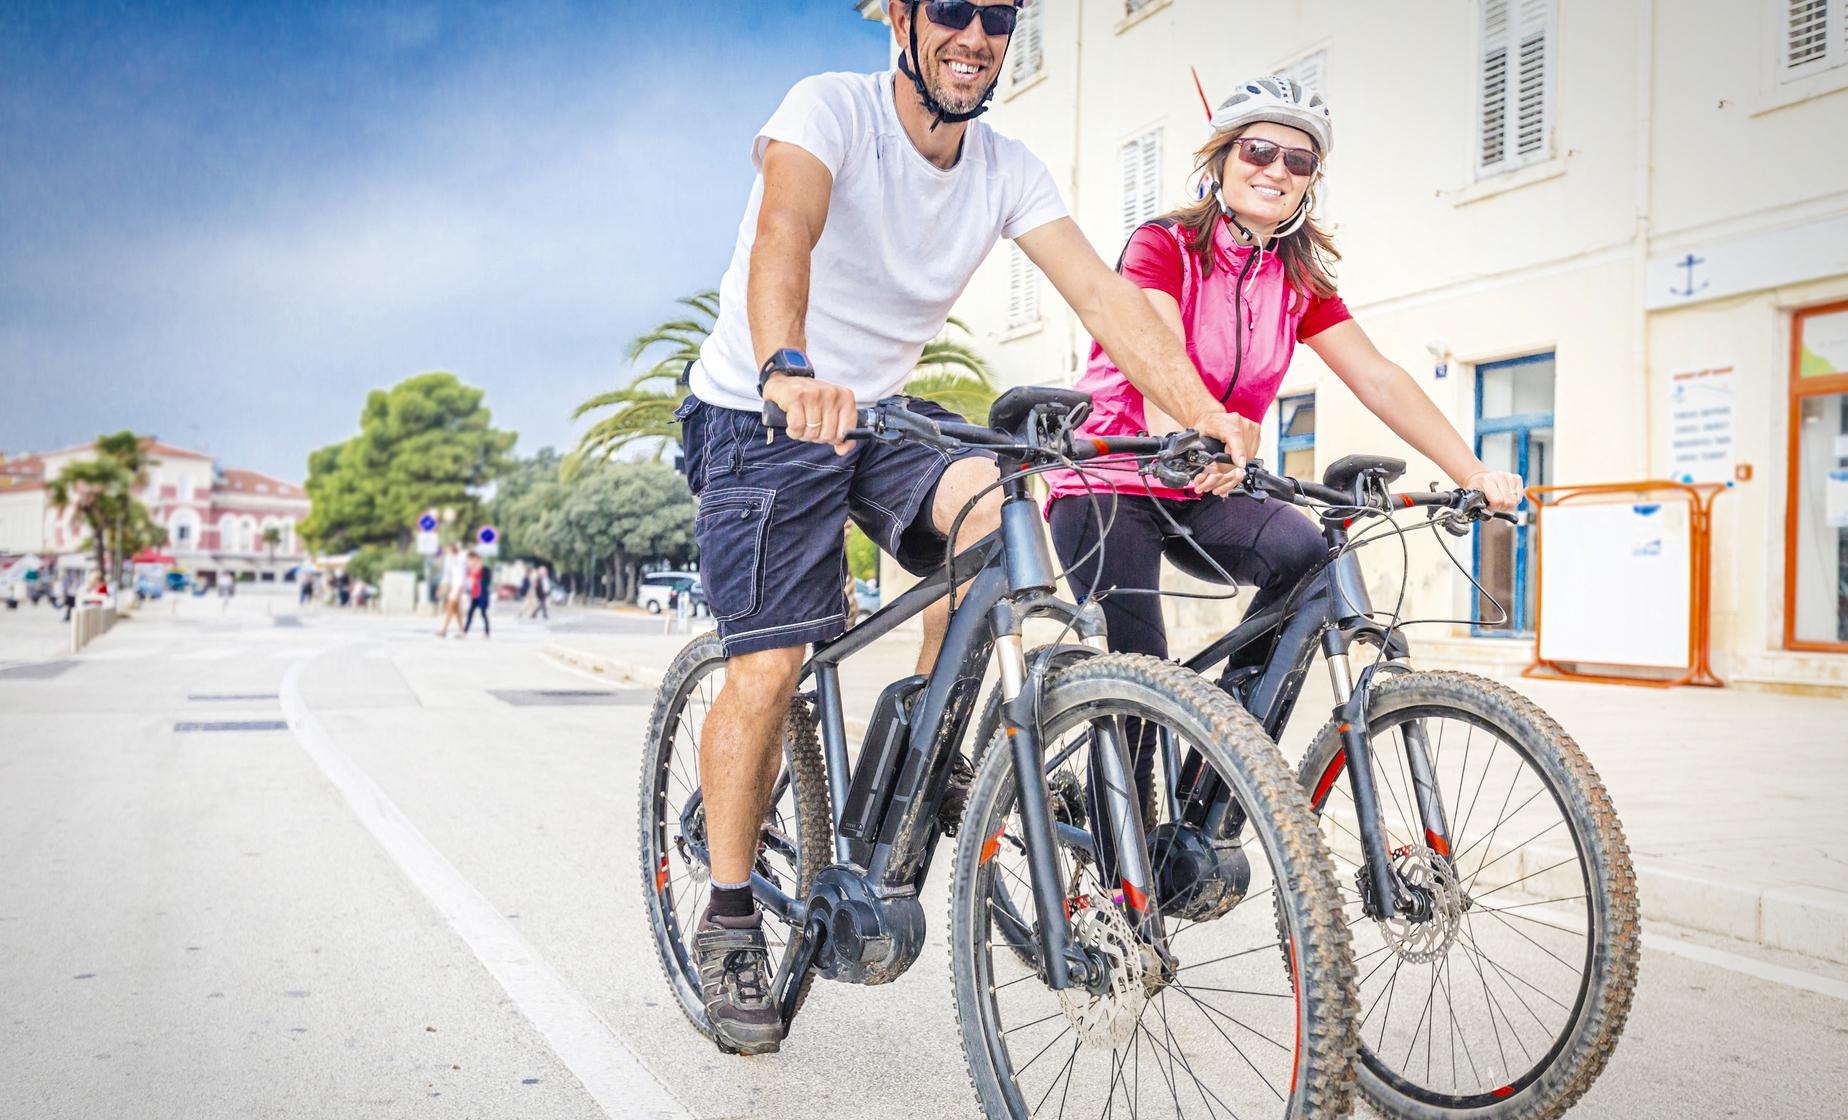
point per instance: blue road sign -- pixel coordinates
(487, 535)
(427, 523)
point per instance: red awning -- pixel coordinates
(149, 556)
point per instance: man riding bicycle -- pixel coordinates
(876, 199)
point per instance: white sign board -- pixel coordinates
(1700, 425)
(1615, 584)
(1835, 500)
(427, 544)
(1747, 263)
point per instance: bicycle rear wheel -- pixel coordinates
(1222, 1032)
(1509, 1001)
(795, 844)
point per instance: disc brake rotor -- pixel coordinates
(1424, 941)
(1107, 1018)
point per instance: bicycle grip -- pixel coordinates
(774, 416)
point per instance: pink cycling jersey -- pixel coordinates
(1276, 318)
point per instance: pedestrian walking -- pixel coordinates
(226, 589)
(454, 588)
(480, 589)
(542, 592)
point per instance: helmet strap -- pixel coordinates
(1294, 223)
(939, 114)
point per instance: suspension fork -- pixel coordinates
(1384, 898)
(1425, 789)
(1064, 965)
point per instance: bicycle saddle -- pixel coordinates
(1012, 408)
(1343, 471)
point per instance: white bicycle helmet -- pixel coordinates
(1282, 101)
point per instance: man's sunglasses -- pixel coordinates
(1263, 153)
(997, 19)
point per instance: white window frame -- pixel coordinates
(1139, 167)
(1512, 27)
(1022, 289)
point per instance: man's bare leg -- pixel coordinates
(959, 482)
(740, 755)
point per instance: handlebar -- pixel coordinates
(1461, 505)
(1175, 459)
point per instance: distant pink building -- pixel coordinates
(215, 517)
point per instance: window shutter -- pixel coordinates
(1029, 44)
(1533, 79)
(1492, 126)
(1515, 79)
(1141, 167)
(1022, 288)
(1815, 37)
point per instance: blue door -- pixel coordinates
(1514, 432)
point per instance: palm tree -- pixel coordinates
(645, 408)
(272, 538)
(102, 490)
(949, 372)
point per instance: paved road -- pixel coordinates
(395, 893)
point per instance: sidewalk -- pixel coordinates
(1731, 800)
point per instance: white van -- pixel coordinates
(657, 587)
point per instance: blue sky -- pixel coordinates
(223, 224)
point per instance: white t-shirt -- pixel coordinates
(903, 238)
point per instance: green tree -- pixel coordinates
(609, 520)
(425, 443)
(272, 539)
(523, 491)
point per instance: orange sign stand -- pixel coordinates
(1699, 497)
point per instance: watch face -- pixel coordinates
(794, 359)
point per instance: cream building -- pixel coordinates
(1572, 221)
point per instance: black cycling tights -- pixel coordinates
(1269, 545)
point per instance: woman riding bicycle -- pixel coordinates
(1241, 276)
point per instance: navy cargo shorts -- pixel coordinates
(772, 555)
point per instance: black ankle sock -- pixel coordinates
(732, 902)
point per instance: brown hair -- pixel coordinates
(1308, 254)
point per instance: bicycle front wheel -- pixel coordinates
(1507, 1000)
(1217, 1031)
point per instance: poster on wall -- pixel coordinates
(1700, 425)
(1824, 345)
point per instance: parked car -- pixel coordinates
(657, 587)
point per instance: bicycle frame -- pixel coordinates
(1011, 580)
(1329, 609)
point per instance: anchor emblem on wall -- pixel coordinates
(1689, 262)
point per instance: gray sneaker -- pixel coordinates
(734, 977)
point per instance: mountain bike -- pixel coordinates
(1108, 955)
(1483, 869)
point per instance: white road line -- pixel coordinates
(1749, 966)
(607, 1069)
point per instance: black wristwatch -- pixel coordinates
(789, 362)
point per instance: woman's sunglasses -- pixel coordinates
(997, 19)
(1263, 153)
